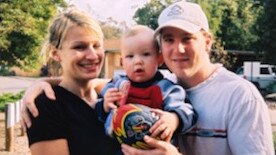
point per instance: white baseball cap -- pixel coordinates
(183, 15)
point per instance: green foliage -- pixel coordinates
(274, 140)
(110, 32)
(238, 23)
(23, 26)
(267, 32)
(148, 15)
(9, 98)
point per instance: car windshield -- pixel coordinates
(239, 71)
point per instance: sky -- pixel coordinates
(119, 10)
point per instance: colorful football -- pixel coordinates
(131, 122)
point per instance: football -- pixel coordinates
(131, 122)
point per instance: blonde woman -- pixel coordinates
(69, 125)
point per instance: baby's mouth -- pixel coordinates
(139, 70)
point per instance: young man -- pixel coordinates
(140, 59)
(232, 115)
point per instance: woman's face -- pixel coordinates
(81, 55)
(185, 54)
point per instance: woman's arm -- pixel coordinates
(52, 147)
(44, 85)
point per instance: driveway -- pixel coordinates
(15, 84)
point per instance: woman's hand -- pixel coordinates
(159, 148)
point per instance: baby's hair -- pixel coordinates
(140, 29)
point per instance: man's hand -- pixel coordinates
(159, 148)
(165, 126)
(29, 98)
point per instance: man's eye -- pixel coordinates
(186, 39)
(168, 39)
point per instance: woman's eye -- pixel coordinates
(96, 46)
(80, 47)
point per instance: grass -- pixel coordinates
(274, 141)
(6, 98)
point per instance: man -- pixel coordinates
(232, 115)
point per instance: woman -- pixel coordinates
(70, 124)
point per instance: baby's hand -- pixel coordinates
(165, 126)
(111, 97)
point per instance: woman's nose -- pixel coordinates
(91, 53)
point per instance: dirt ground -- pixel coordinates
(21, 142)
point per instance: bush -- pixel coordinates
(9, 98)
(274, 141)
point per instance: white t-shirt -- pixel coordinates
(232, 118)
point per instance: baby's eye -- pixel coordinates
(147, 54)
(129, 56)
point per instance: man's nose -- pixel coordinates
(181, 48)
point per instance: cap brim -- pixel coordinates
(180, 24)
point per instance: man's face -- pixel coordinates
(185, 54)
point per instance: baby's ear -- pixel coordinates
(121, 61)
(160, 59)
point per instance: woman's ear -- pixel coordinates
(160, 59)
(55, 54)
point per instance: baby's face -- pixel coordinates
(140, 59)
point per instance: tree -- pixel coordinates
(23, 26)
(148, 15)
(267, 32)
(111, 30)
(237, 25)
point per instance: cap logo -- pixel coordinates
(175, 10)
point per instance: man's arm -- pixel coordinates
(159, 147)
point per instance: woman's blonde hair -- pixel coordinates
(60, 26)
